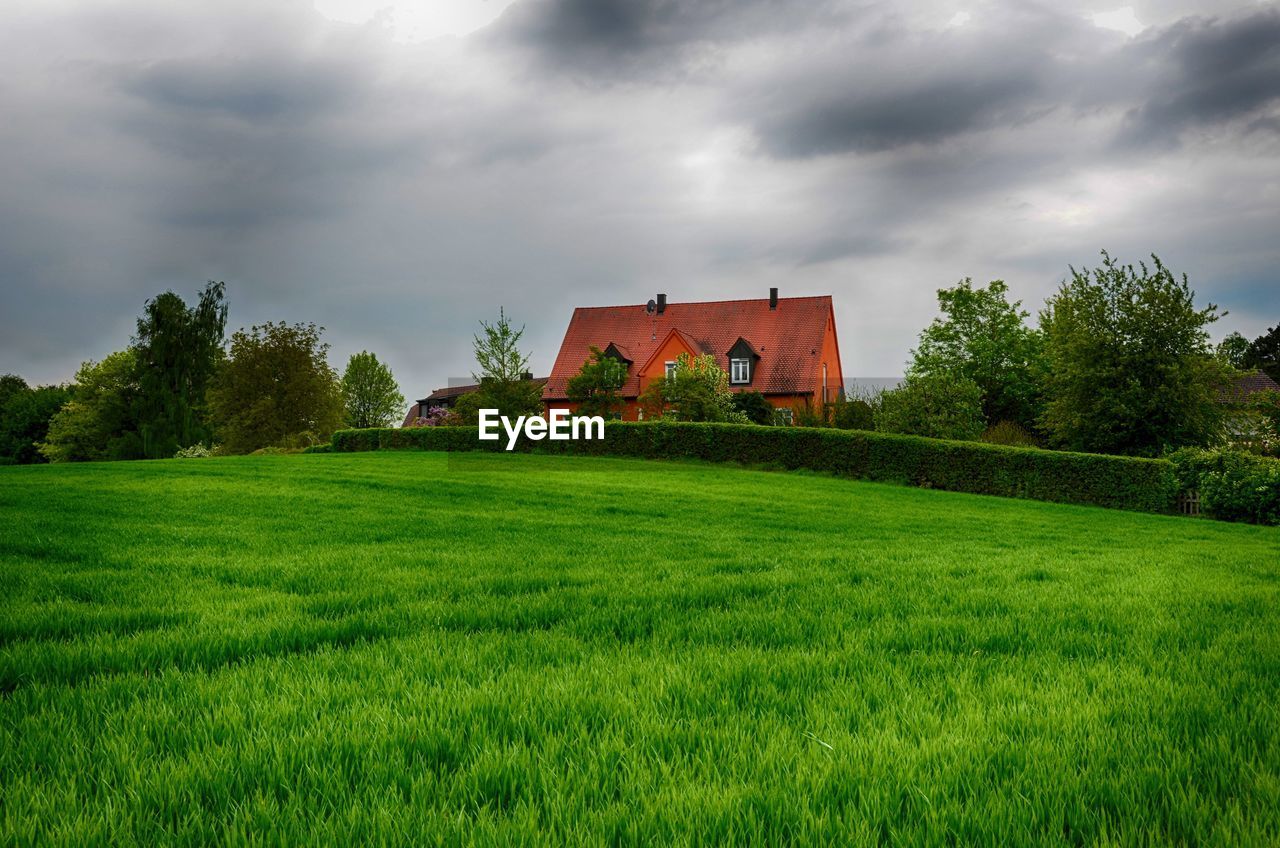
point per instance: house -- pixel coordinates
(447, 397)
(785, 348)
(1246, 425)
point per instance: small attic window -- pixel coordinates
(740, 371)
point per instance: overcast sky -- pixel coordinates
(396, 171)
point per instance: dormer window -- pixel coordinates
(742, 363)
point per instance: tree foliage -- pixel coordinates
(504, 379)
(1234, 350)
(983, 337)
(97, 423)
(941, 405)
(596, 385)
(25, 413)
(755, 406)
(178, 349)
(696, 390)
(497, 350)
(369, 391)
(1130, 369)
(1264, 353)
(276, 389)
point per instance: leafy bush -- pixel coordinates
(941, 406)
(1118, 482)
(755, 406)
(853, 414)
(1009, 433)
(1233, 485)
(196, 451)
(1251, 495)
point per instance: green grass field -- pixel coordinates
(408, 648)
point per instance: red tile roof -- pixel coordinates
(788, 339)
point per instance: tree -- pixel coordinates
(505, 382)
(1130, 369)
(1264, 353)
(755, 407)
(97, 423)
(983, 337)
(595, 387)
(942, 405)
(697, 390)
(498, 353)
(24, 419)
(276, 389)
(1234, 350)
(178, 350)
(370, 393)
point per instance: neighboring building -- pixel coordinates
(784, 348)
(1245, 424)
(447, 398)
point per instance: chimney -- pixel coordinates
(773, 298)
(662, 303)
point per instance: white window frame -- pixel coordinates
(671, 368)
(739, 365)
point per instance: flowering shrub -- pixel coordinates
(437, 416)
(196, 451)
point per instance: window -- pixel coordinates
(782, 417)
(740, 371)
(671, 369)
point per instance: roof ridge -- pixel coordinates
(672, 303)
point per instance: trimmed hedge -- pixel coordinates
(1147, 485)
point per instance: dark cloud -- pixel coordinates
(578, 153)
(1204, 72)
(622, 40)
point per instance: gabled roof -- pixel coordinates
(458, 391)
(788, 338)
(1247, 385)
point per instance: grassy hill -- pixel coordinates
(415, 648)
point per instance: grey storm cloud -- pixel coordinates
(580, 152)
(1208, 71)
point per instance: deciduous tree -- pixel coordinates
(97, 423)
(370, 393)
(1130, 369)
(178, 350)
(983, 337)
(276, 389)
(696, 390)
(595, 387)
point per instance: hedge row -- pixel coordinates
(1118, 482)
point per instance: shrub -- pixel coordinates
(1233, 485)
(853, 414)
(942, 406)
(1118, 482)
(1009, 433)
(755, 406)
(196, 451)
(1243, 494)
